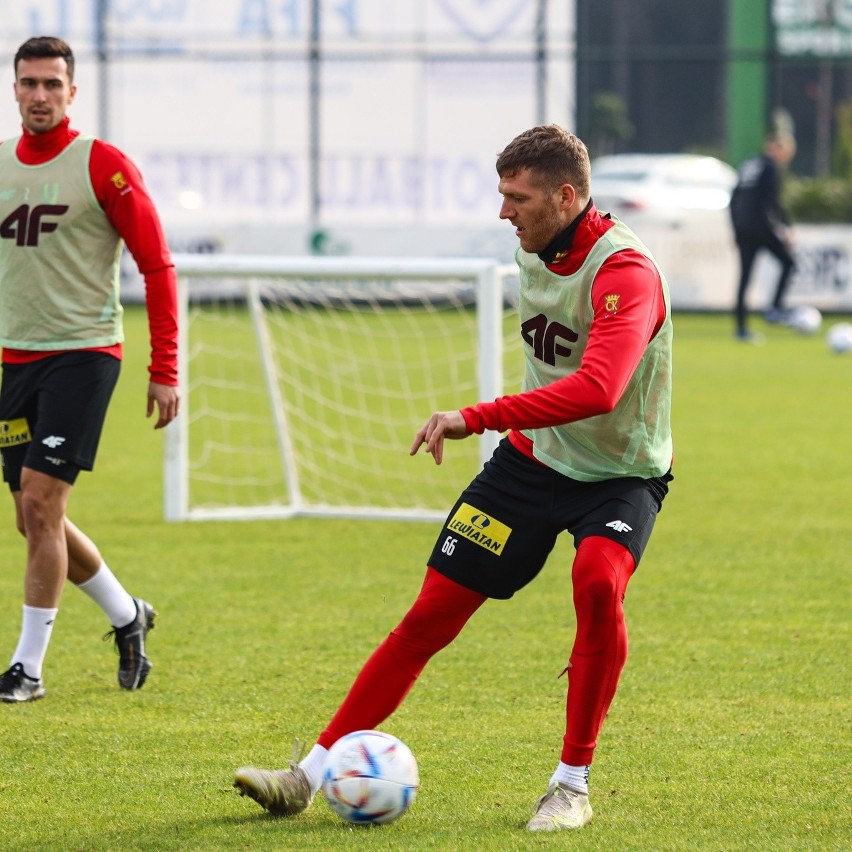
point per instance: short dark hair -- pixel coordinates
(552, 154)
(46, 47)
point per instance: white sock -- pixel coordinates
(575, 777)
(105, 590)
(36, 627)
(313, 765)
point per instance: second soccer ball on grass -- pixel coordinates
(805, 319)
(839, 338)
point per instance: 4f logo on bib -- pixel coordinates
(24, 224)
(547, 339)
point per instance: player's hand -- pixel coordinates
(167, 400)
(442, 424)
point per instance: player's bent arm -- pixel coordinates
(441, 425)
(617, 341)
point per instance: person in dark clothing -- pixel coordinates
(761, 222)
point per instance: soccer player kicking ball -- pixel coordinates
(588, 451)
(67, 201)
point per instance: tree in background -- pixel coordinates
(608, 123)
(841, 160)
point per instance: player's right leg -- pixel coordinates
(437, 617)
(16, 685)
(282, 792)
(442, 608)
(748, 253)
(40, 502)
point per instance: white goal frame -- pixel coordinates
(486, 277)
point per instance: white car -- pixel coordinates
(678, 206)
(660, 185)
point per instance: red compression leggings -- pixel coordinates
(442, 608)
(602, 569)
(600, 574)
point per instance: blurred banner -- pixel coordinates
(212, 98)
(821, 28)
(703, 271)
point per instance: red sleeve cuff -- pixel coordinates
(473, 420)
(161, 301)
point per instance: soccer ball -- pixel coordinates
(370, 777)
(839, 337)
(806, 319)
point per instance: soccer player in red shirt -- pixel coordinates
(588, 451)
(67, 203)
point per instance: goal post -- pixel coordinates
(305, 379)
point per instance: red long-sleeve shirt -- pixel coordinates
(617, 339)
(128, 207)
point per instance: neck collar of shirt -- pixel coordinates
(35, 144)
(563, 241)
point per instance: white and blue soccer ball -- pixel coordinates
(805, 319)
(839, 337)
(370, 777)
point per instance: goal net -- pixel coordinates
(305, 380)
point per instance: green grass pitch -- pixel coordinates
(730, 730)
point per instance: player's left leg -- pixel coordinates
(785, 258)
(601, 571)
(131, 618)
(40, 502)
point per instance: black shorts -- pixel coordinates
(52, 413)
(500, 531)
